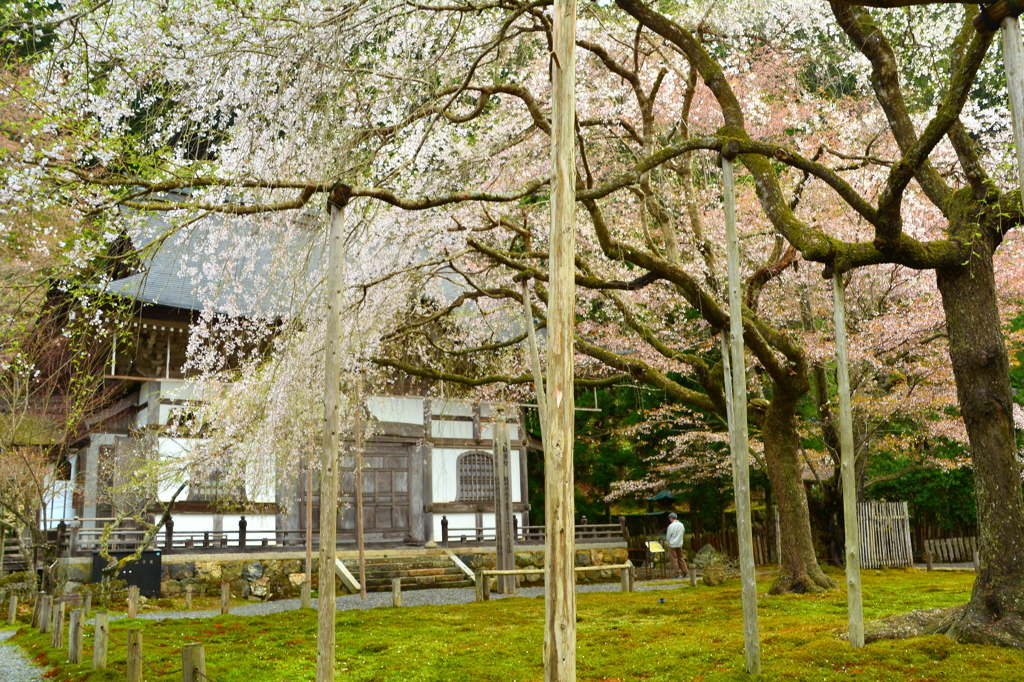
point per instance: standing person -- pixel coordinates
(674, 540)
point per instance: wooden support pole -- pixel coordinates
(133, 601)
(45, 602)
(225, 598)
(325, 639)
(88, 604)
(396, 591)
(738, 439)
(538, 375)
(624, 576)
(1013, 61)
(693, 575)
(135, 655)
(57, 627)
(360, 535)
(76, 636)
(100, 640)
(193, 663)
(478, 581)
(188, 597)
(503, 532)
(307, 601)
(12, 610)
(559, 487)
(854, 605)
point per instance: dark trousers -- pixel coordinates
(678, 559)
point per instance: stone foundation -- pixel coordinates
(279, 575)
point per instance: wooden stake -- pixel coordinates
(88, 604)
(854, 606)
(76, 638)
(12, 610)
(57, 628)
(36, 607)
(360, 536)
(101, 639)
(193, 663)
(396, 591)
(559, 512)
(44, 613)
(135, 656)
(225, 598)
(306, 590)
(325, 639)
(188, 598)
(738, 439)
(133, 601)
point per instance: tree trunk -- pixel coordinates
(798, 565)
(977, 351)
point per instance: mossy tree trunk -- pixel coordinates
(977, 350)
(798, 566)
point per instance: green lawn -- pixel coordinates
(695, 634)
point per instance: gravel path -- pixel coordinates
(435, 597)
(14, 665)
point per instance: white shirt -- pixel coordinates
(674, 535)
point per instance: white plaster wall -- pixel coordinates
(401, 410)
(451, 408)
(173, 454)
(445, 473)
(456, 521)
(487, 432)
(444, 429)
(258, 526)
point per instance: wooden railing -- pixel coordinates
(532, 535)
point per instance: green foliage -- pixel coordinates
(942, 497)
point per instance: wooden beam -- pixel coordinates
(738, 432)
(503, 530)
(325, 639)
(560, 540)
(854, 604)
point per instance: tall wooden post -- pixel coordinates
(360, 537)
(76, 636)
(329, 457)
(503, 533)
(738, 435)
(854, 605)
(559, 536)
(193, 663)
(1013, 60)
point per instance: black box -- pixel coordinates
(143, 573)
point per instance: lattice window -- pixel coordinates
(476, 477)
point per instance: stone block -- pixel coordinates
(78, 572)
(253, 570)
(597, 557)
(583, 558)
(260, 587)
(231, 570)
(534, 577)
(208, 570)
(524, 559)
(714, 574)
(296, 579)
(415, 572)
(181, 571)
(619, 555)
(169, 588)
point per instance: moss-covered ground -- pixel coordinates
(688, 634)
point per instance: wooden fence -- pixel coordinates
(952, 550)
(532, 535)
(726, 543)
(884, 534)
